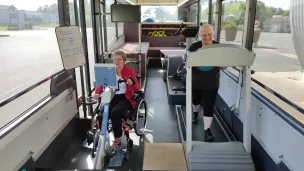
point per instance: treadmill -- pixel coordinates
(226, 155)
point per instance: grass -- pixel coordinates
(47, 25)
(52, 25)
(3, 28)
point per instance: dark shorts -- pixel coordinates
(208, 96)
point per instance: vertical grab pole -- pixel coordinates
(84, 105)
(247, 109)
(248, 40)
(239, 92)
(85, 47)
(139, 50)
(188, 111)
(139, 36)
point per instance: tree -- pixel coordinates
(49, 8)
(286, 13)
(241, 15)
(40, 9)
(279, 11)
(71, 7)
(12, 8)
(54, 8)
(234, 9)
(263, 12)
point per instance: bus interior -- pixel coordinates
(44, 125)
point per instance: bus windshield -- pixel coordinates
(159, 13)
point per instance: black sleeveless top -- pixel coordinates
(204, 79)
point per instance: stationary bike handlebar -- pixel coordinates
(91, 100)
(124, 81)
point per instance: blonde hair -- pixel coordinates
(120, 53)
(204, 27)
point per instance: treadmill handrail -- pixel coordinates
(220, 55)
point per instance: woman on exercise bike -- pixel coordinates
(123, 99)
(205, 83)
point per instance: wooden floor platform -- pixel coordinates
(164, 156)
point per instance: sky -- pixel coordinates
(33, 5)
(284, 4)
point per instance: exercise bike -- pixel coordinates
(99, 136)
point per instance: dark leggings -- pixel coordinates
(118, 105)
(208, 96)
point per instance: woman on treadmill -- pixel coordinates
(123, 99)
(205, 83)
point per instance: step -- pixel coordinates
(234, 146)
(164, 156)
(219, 156)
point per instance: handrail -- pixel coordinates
(295, 106)
(10, 126)
(15, 96)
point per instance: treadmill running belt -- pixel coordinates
(198, 133)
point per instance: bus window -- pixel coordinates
(159, 13)
(73, 22)
(108, 5)
(277, 64)
(120, 29)
(72, 12)
(204, 14)
(88, 17)
(193, 13)
(214, 15)
(29, 50)
(233, 13)
(204, 11)
(111, 30)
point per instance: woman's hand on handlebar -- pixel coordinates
(97, 96)
(129, 82)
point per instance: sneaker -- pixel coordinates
(194, 118)
(208, 135)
